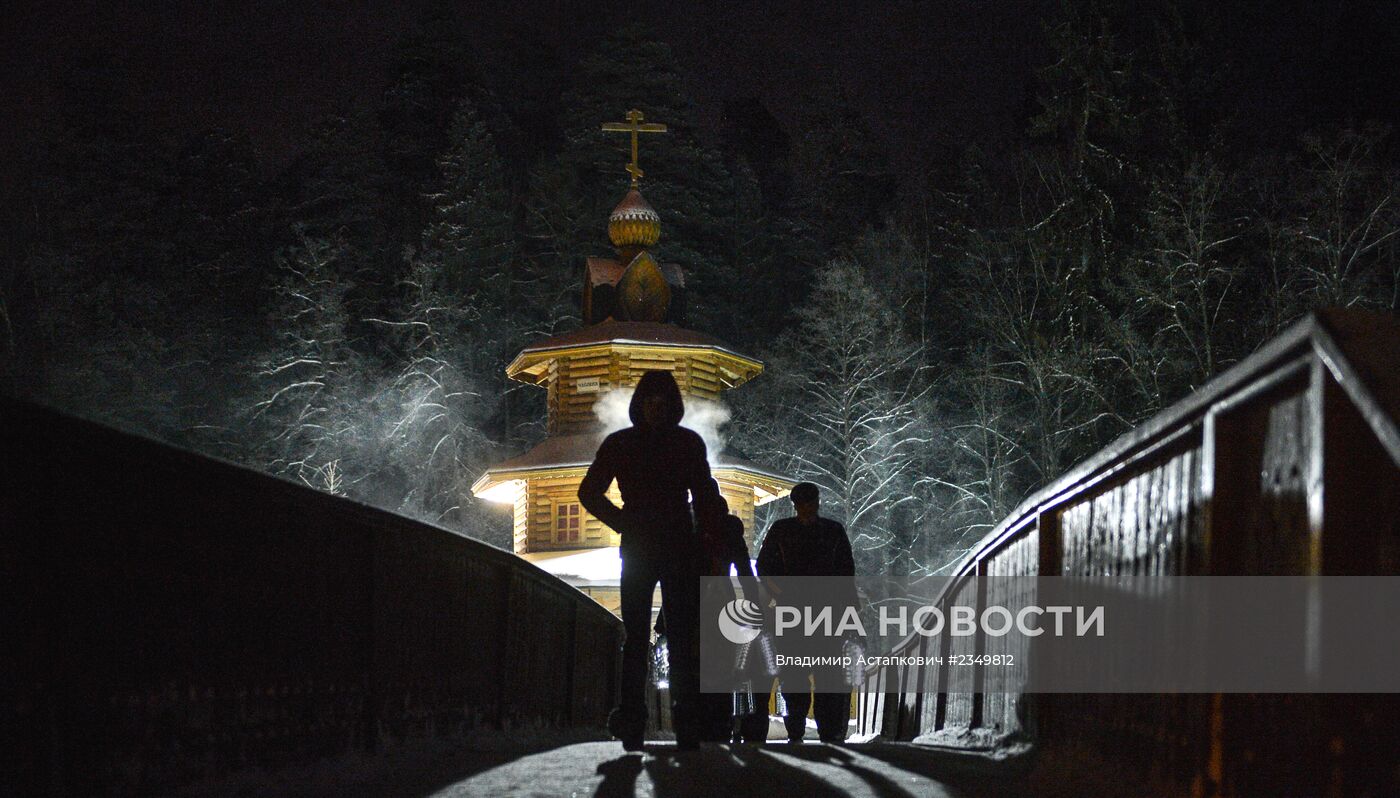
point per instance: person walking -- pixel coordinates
(808, 545)
(732, 716)
(660, 468)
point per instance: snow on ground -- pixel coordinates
(546, 765)
(603, 769)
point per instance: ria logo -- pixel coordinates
(740, 621)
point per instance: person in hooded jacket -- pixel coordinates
(660, 468)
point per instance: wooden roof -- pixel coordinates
(528, 365)
(607, 271)
(633, 332)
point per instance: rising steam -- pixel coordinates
(702, 415)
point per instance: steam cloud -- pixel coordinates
(702, 415)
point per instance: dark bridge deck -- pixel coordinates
(602, 769)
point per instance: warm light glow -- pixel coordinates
(503, 492)
(603, 564)
(762, 497)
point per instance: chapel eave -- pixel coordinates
(532, 364)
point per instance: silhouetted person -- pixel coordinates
(809, 545)
(727, 553)
(660, 467)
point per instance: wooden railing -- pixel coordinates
(177, 618)
(1285, 464)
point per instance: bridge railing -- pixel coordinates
(1284, 464)
(177, 618)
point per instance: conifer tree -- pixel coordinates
(470, 234)
(434, 70)
(452, 330)
(842, 181)
(338, 189)
(94, 292)
(469, 255)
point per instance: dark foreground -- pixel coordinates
(812, 770)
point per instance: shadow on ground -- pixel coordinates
(499, 767)
(811, 770)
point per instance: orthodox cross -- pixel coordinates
(634, 126)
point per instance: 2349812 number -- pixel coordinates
(982, 659)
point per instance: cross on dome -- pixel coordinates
(634, 126)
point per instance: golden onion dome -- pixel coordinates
(633, 223)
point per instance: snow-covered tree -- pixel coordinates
(308, 419)
(845, 389)
(434, 409)
(973, 478)
(470, 235)
(1180, 298)
(451, 332)
(1345, 219)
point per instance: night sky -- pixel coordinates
(923, 69)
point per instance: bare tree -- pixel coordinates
(1030, 305)
(847, 388)
(974, 480)
(1346, 219)
(1174, 327)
